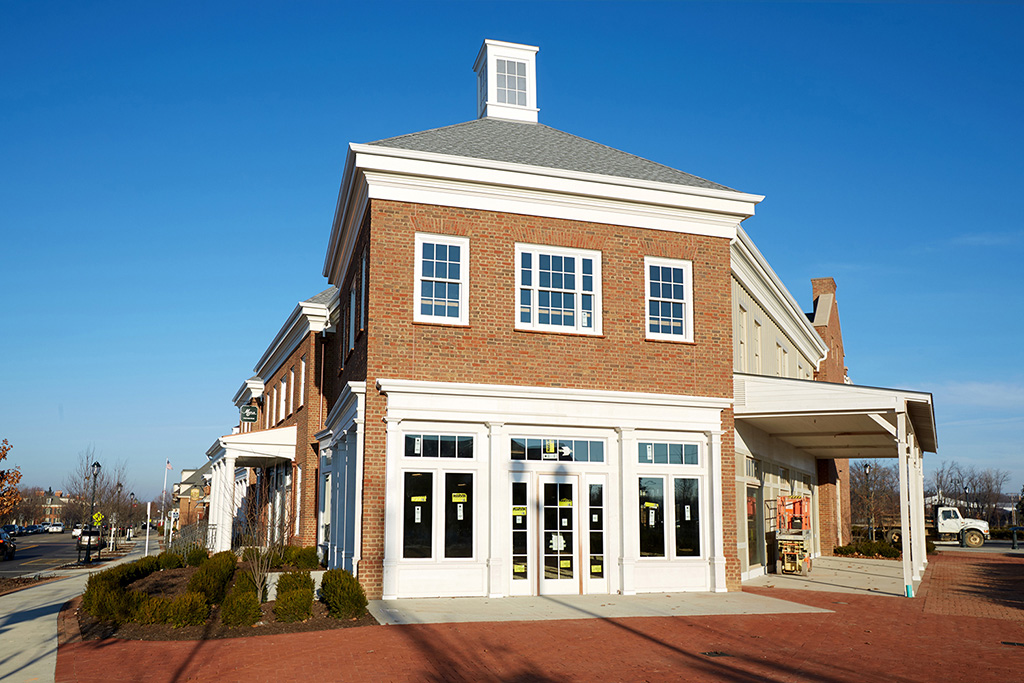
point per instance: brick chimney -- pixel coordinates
(825, 319)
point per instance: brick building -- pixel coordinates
(550, 366)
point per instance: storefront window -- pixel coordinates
(418, 539)
(458, 515)
(652, 517)
(687, 518)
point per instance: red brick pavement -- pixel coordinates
(954, 633)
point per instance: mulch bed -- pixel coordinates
(172, 582)
(16, 583)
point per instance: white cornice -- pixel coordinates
(305, 319)
(348, 408)
(250, 389)
(752, 271)
(373, 172)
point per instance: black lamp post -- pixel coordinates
(92, 508)
(117, 518)
(871, 507)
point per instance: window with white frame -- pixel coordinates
(282, 391)
(291, 388)
(669, 284)
(302, 381)
(757, 347)
(559, 289)
(511, 77)
(352, 320)
(742, 340)
(362, 292)
(442, 279)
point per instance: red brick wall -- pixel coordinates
(491, 350)
(308, 420)
(833, 473)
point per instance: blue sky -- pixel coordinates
(169, 173)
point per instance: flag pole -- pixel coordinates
(163, 497)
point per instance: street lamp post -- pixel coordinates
(116, 519)
(871, 507)
(131, 514)
(92, 509)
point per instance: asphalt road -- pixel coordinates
(39, 553)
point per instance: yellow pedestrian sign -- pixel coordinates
(97, 518)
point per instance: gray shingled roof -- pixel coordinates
(535, 144)
(322, 298)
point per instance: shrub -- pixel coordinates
(106, 596)
(189, 609)
(154, 609)
(929, 547)
(342, 594)
(212, 578)
(241, 608)
(196, 557)
(306, 558)
(294, 605)
(868, 549)
(292, 581)
(169, 560)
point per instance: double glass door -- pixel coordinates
(546, 543)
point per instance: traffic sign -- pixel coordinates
(97, 518)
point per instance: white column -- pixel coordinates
(901, 435)
(716, 491)
(225, 476)
(629, 520)
(919, 511)
(496, 531)
(916, 532)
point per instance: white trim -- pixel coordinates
(250, 389)
(375, 172)
(687, 301)
(306, 318)
(751, 270)
(463, 281)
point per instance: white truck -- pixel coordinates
(946, 524)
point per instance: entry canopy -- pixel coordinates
(833, 421)
(256, 449)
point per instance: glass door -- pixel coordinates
(559, 570)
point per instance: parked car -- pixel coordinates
(56, 528)
(7, 545)
(90, 538)
(76, 531)
(34, 529)
(10, 529)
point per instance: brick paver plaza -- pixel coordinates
(969, 607)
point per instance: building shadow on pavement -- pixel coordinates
(1000, 582)
(453, 659)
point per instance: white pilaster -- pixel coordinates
(497, 541)
(716, 492)
(628, 502)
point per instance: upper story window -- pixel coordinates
(511, 77)
(559, 289)
(669, 309)
(442, 279)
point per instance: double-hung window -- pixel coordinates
(442, 279)
(559, 290)
(669, 284)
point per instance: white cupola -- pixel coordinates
(506, 81)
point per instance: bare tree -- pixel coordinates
(264, 529)
(9, 480)
(110, 499)
(874, 493)
(978, 491)
(29, 509)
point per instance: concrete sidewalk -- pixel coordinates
(555, 607)
(28, 622)
(842, 575)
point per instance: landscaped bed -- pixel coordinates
(158, 599)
